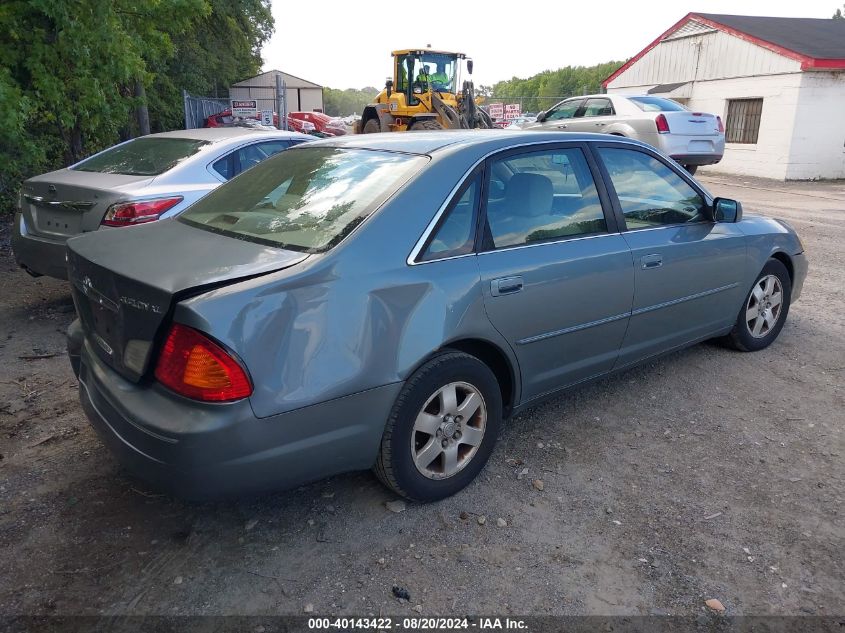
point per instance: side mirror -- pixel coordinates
(541, 116)
(469, 66)
(727, 210)
(388, 85)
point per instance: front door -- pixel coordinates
(557, 276)
(688, 269)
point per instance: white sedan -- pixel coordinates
(691, 138)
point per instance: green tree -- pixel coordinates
(345, 102)
(839, 15)
(222, 47)
(74, 71)
(543, 90)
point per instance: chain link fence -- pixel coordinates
(198, 109)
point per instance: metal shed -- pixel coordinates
(302, 95)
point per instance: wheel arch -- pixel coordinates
(499, 363)
(786, 260)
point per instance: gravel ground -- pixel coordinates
(707, 474)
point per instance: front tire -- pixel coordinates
(372, 126)
(764, 310)
(442, 428)
(425, 125)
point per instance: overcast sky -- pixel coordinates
(345, 45)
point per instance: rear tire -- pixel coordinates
(442, 429)
(425, 124)
(764, 310)
(372, 126)
(691, 169)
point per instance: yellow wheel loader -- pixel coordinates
(423, 94)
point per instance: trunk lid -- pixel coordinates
(692, 123)
(64, 203)
(125, 283)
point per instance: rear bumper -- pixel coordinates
(697, 159)
(202, 451)
(38, 255)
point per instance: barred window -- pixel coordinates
(743, 124)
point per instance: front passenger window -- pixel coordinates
(565, 110)
(547, 195)
(649, 192)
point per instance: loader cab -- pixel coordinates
(416, 70)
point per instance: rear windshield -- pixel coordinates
(142, 156)
(657, 104)
(307, 199)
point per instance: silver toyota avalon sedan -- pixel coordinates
(144, 179)
(690, 138)
(387, 301)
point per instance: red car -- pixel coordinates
(323, 122)
(225, 119)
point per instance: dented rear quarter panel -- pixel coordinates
(347, 321)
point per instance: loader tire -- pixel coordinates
(372, 126)
(425, 124)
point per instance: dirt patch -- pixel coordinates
(707, 474)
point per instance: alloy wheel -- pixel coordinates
(448, 430)
(764, 306)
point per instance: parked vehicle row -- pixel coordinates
(690, 138)
(303, 122)
(264, 345)
(139, 181)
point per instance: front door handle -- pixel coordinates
(562, 126)
(505, 286)
(654, 260)
(600, 124)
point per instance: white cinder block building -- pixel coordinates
(301, 95)
(778, 84)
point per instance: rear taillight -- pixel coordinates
(138, 212)
(662, 124)
(721, 128)
(193, 365)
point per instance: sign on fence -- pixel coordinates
(245, 108)
(512, 111)
(496, 110)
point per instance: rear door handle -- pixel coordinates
(562, 126)
(600, 124)
(505, 286)
(654, 260)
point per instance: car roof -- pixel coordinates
(435, 141)
(215, 134)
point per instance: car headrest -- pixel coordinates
(529, 195)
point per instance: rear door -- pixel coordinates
(593, 116)
(688, 269)
(556, 275)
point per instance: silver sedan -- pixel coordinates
(144, 179)
(691, 138)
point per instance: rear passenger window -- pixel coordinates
(598, 107)
(224, 167)
(542, 196)
(456, 233)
